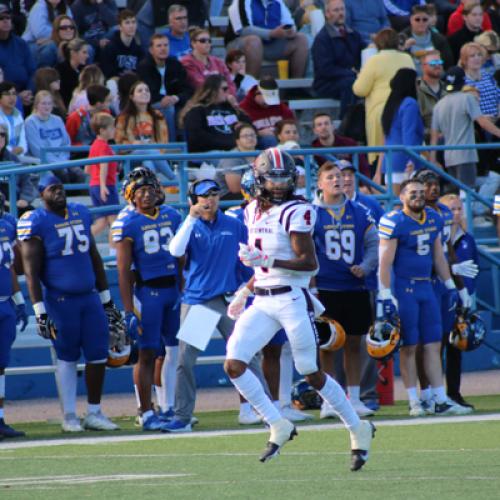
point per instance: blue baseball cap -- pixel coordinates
(46, 181)
(203, 187)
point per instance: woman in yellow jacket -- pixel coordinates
(373, 83)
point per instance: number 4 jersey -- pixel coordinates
(270, 232)
(67, 266)
(414, 254)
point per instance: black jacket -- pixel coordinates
(116, 58)
(69, 80)
(175, 79)
(460, 38)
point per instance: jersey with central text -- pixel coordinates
(150, 236)
(7, 239)
(67, 265)
(414, 253)
(339, 241)
(270, 232)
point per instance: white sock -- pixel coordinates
(286, 374)
(147, 414)
(251, 389)
(333, 393)
(353, 391)
(426, 394)
(169, 374)
(412, 394)
(66, 373)
(93, 408)
(137, 398)
(439, 394)
(160, 396)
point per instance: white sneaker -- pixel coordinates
(248, 417)
(294, 415)
(416, 409)
(327, 411)
(361, 440)
(281, 431)
(361, 409)
(449, 407)
(98, 422)
(71, 423)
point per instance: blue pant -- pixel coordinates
(447, 317)
(81, 325)
(7, 331)
(419, 312)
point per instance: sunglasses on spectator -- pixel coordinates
(204, 40)
(66, 27)
(435, 62)
(421, 19)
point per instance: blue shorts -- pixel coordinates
(81, 324)
(419, 311)
(95, 196)
(7, 331)
(159, 321)
(447, 317)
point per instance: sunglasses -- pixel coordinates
(66, 28)
(435, 62)
(204, 40)
(421, 19)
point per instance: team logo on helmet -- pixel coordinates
(331, 334)
(305, 397)
(248, 185)
(383, 339)
(468, 332)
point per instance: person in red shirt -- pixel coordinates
(456, 20)
(102, 188)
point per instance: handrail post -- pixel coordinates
(307, 167)
(468, 213)
(13, 194)
(388, 170)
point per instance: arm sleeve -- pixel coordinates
(33, 138)
(300, 219)
(28, 226)
(370, 255)
(179, 242)
(473, 107)
(364, 82)
(38, 21)
(72, 125)
(387, 228)
(120, 230)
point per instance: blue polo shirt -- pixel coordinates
(212, 263)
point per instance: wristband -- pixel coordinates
(18, 298)
(39, 309)
(450, 284)
(385, 294)
(314, 290)
(105, 296)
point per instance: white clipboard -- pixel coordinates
(198, 326)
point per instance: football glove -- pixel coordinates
(237, 305)
(465, 298)
(132, 325)
(45, 327)
(253, 257)
(112, 312)
(386, 304)
(467, 268)
(451, 294)
(21, 316)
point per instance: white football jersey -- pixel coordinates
(270, 232)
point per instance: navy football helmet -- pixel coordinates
(468, 332)
(305, 397)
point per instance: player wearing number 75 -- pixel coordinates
(59, 253)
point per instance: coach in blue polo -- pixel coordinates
(209, 241)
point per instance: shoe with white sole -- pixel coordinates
(327, 411)
(71, 423)
(294, 415)
(416, 409)
(282, 431)
(361, 440)
(98, 422)
(248, 417)
(449, 407)
(361, 409)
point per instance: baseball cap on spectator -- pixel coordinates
(205, 186)
(268, 86)
(5, 9)
(454, 79)
(345, 165)
(489, 40)
(46, 181)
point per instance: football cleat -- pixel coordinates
(449, 407)
(98, 422)
(361, 409)
(428, 406)
(71, 423)
(458, 398)
(9, 432)
(166, 416)
(282, 431)
(248, 417)
(176, 426)
(327, 411)
(294, 415)
(416, 409)
(361, 440)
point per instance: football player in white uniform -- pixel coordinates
(281, 251)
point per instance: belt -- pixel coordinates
(159, 282)
(272, 291)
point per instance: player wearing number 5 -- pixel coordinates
(59, 252)
(347, 248)
(142, 236)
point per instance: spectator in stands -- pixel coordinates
(38, 31)
(76, 54)
(177, 31)
(336, 53)
(122, 53)
(473, 18)
(90, 75)
(63, 30)
(373, 83)
(285, 131)
(139, 123)
(15, 56)
(266, 31)
(399, 12)
(490, 42)
(11, 118)
(472, 56)
(166, 79)
(327, 138)
(49, 79)
(456, 20)
(402, 124)
(421, 38)
(367, 17)
(430, 88)
(236, 63)
(492, 10)
(230, 170)
(78, 124)
(263, 106)
(453, 117)
(95, 19)
(209, 117)
(124, 83)
(200, 64)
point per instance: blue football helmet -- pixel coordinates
(305, 397)
(468, 332)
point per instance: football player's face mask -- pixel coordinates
(278, 187)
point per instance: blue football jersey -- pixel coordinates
(10, 218)
(414, 254)
(339, 241)
(7, 238)
(447, 217)
(67, 265)
(150, 236)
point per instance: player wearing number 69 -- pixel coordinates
(59, 252)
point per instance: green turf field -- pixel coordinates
(439, 461)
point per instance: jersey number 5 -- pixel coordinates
(423, 246)
(68, 233)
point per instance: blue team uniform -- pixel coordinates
(69, 281)
(466, 249)
(7, 310)
(418, 307)
(156, 287)
(10, 218)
